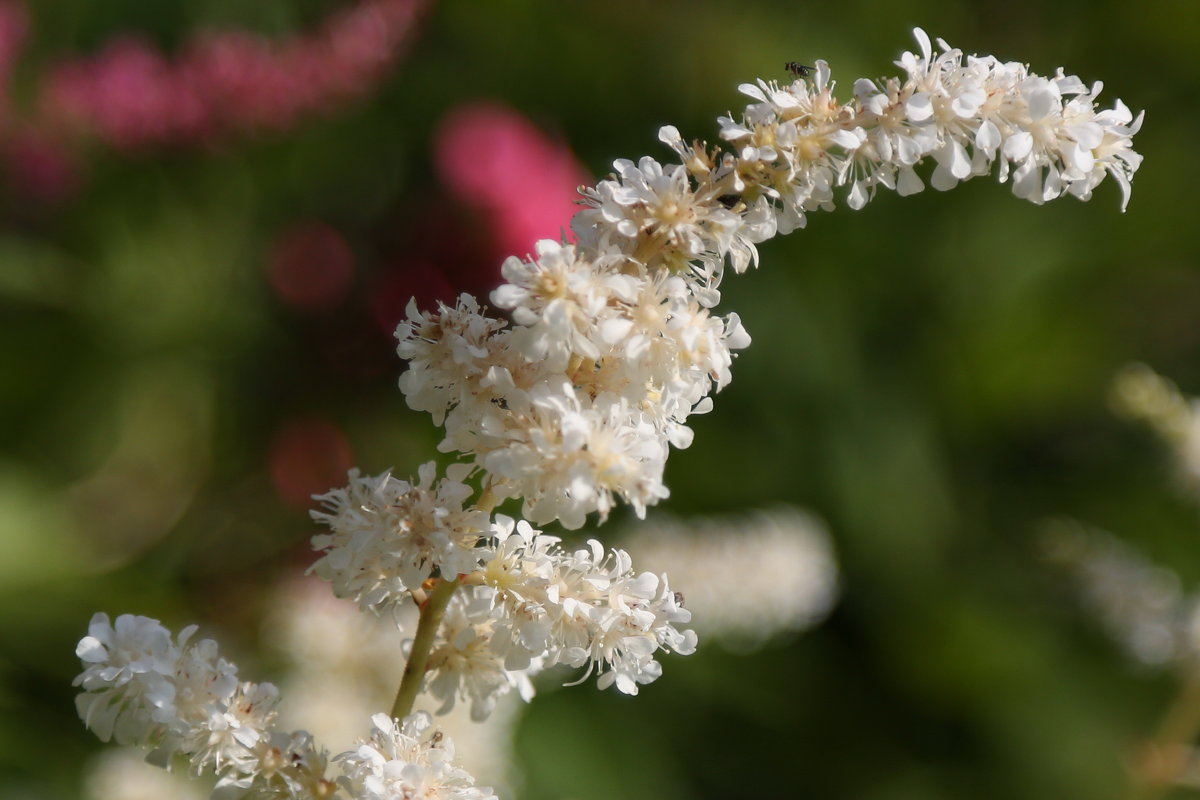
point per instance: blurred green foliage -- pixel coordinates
(929, 375)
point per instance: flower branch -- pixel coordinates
(432, 611)
(571, 402)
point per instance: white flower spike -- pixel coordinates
(570, 404)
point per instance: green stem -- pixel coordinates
(418, 657)
(432, 611)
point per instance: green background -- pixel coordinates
(929, 375)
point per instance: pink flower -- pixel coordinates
(310, 266)
(134, 97)
(523, 181)
(39, 168)
(307, 457)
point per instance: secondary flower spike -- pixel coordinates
(180, 698)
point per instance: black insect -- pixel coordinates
(729, 200)
(798, 69)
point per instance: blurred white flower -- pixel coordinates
(1140, 393)
(784, 565)
(1140, 604)
(464, 664)
(129, 678)
(121, 773)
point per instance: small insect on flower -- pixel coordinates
(729, 200)
(798, 69)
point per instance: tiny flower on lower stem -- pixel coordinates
(230, 736)
(406, 759)
(463, 663)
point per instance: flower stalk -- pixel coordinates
(1166, 757)
(418, 657)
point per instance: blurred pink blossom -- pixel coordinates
(308, 456)
(38, 169)
(133, 96)
(126, 95)
(523, 182)
(310, 266)
(510, 183)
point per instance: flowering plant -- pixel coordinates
(570, 404)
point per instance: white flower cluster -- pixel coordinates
(387, 536)
(538, 605)
(340, 668)
(404, 760)
(574, 405)
(797, 144)
(141, 687)
(613, 345)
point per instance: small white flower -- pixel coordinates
(583, 608)
(556, 298)
(404, 760)
(448, 353)
(291, 767)
(1141, 604)
(387, 536)
(464, 664)
(228, 737)
(613, 621)
(576, 456)
(651, 213)
(129, 678)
